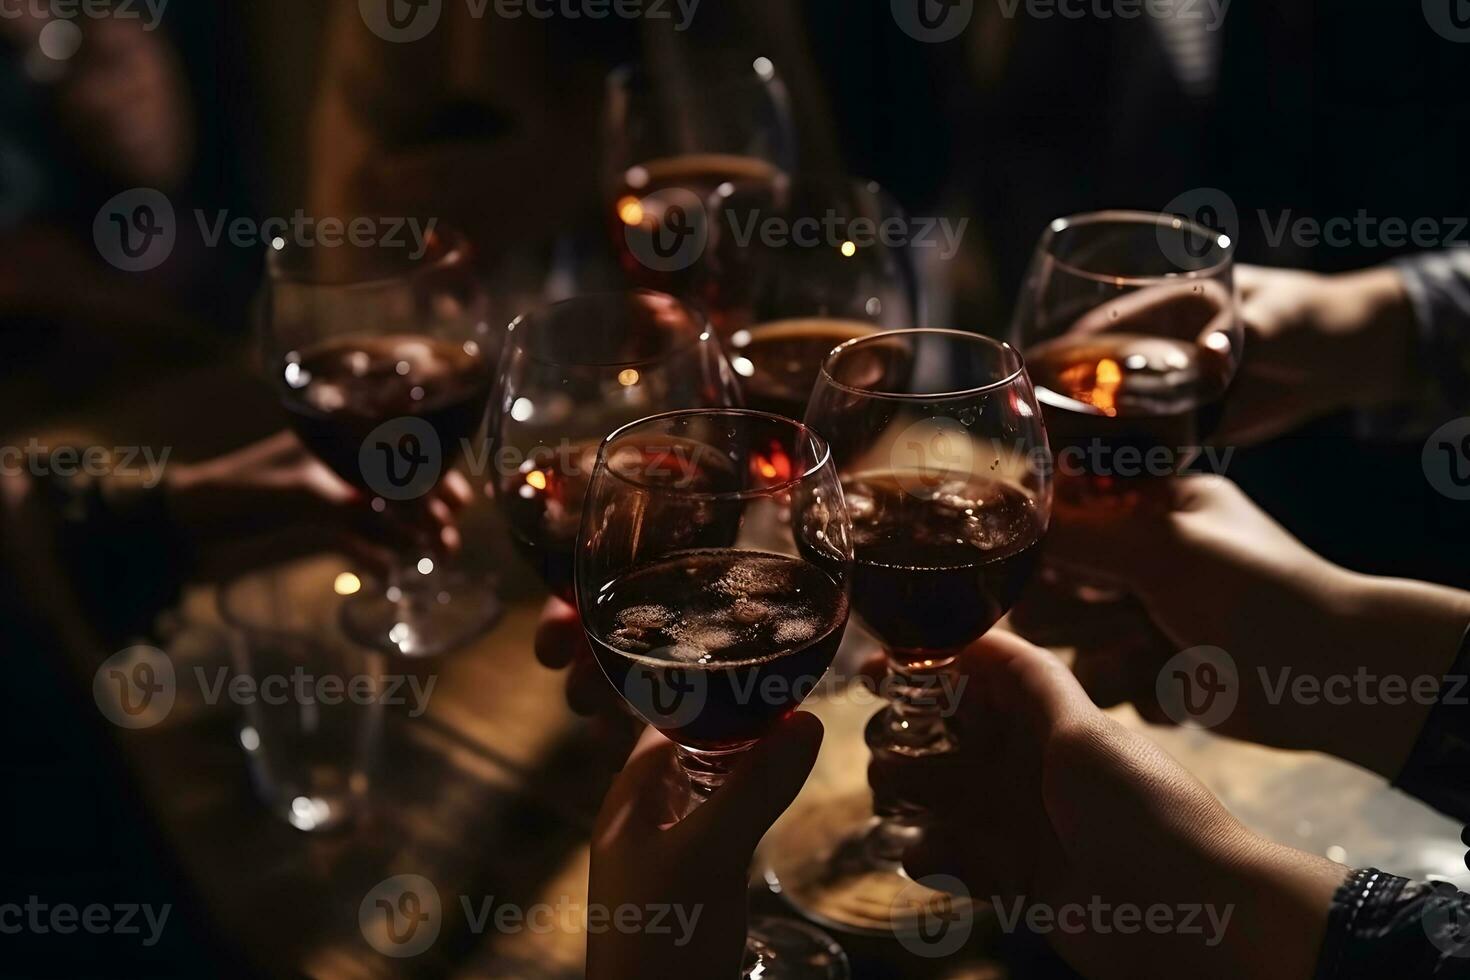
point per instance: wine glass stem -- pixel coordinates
(705, 770)
(915, 723)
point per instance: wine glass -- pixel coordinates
(571, 373)
(382, 359)
(1129, 327)
(793, 275)
(673, 137)
(710, 636)
(944, 464)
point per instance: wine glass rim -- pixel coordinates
(980, 338)
(1127, 216)
(457, 249)
(824, 453)
(702, 335)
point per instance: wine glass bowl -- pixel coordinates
(1128, 322)
(711, 630)
(673, 137)
(572, 372)
(381, 358)
(795, 270)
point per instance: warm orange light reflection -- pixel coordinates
(630, 210)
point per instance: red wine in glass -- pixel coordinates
(757, 630)
(779, 361)
(937, 561)
(339, 390)
(1124, 409)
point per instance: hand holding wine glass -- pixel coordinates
(1049, 802)
(381, 359)
(710, 629)
(943, 458)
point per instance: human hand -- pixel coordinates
(698, 868)
(1206, 567)
(1300, 323)
(1051, 802)
(561, 644)
(277, 483)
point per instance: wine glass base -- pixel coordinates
(430, 622)
(783, 949)
(846, 887)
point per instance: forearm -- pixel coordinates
(1400, 640)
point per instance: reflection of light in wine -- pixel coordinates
(522, 409)
(628, 378)
(297, 376)
(630, 210)
(740, 338)
(873, 306)
(743, 366)
(849, 249)
(347, 584)
(536, 479)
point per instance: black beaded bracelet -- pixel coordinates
(1381, 925)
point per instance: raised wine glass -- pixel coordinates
(793, 275)
(711, 635)
(1128, 323)
(944, 464)
(673, 136)
(571, 373)
(383, 360)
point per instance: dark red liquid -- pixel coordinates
(337, 392)
(638, 201)
(543, 499)
(1124, 409)
(746, 634)
(937, 561)
(778, 362)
